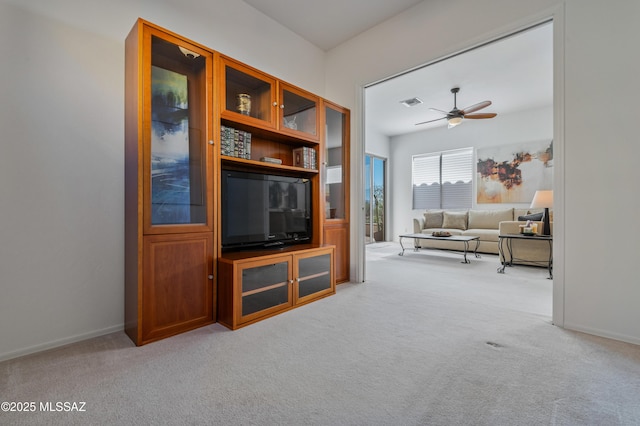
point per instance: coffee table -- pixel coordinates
(460, 238)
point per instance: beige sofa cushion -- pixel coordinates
(488, 219)
(433, 219)
(454, 220)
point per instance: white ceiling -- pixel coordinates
(515, 73)
(328, 23)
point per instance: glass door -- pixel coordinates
(248, 95)
(374, 194)
(176, 96)
(299, 112)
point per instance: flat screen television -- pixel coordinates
(264, 210)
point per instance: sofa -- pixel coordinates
(487, 224)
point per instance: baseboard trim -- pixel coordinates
(602, 333)
(60, 342)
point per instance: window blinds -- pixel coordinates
(443, 180)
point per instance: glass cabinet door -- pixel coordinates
(264, 286)
(176, 140)
(313, 275)
(298, 112)
(336, 155)
(248, 95)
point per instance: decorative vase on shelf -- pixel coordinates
(290, 124)
(244, 104)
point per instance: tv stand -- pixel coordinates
(255, 285)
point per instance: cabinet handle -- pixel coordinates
(275, 104)
(211, 143)
(210, 277)
(281, 106)
(298, 279)
(290, 281)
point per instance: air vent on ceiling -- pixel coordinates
(411, 102)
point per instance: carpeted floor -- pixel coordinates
(426, 340)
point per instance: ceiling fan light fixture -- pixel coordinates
(455, 116)
(454, 121)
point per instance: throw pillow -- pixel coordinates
(454, 220)
(535, 217)
(433, 219)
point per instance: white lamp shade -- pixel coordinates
(542, 199)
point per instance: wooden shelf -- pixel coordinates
(263, 165)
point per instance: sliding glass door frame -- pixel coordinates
(375, 196)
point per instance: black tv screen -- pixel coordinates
(262, 209)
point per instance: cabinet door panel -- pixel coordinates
(337, 234)
(314, 275)
(264, 288)
(177, 293)
(257, 302)
(264, 276)
(311, 266)
(175, 136)
(247, 95)
(335, 185)
(299, 112)
(311, 285)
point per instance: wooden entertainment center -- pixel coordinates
(191, 112)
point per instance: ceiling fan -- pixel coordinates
(455, 116)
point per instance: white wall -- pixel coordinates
(62, 150)
(377, 144)
(595, 135)
(530, 126)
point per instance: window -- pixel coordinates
(443, 180)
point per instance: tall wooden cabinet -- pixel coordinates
(169, 182)
(180, 97)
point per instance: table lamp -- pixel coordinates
(543, 199)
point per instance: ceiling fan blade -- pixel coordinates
(481, 115)
(430, 121)
(439, 110)
(476, 107)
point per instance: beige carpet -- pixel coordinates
(426, 341)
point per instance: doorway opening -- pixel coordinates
(394, 132)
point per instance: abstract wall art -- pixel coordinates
(513, 173)
(170, 175)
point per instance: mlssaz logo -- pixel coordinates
(63, 406)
